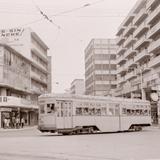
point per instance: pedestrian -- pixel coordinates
(22, 122)
(17, 122)
(5, 123)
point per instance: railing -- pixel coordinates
(154, 45)
(153, 30)
(139, 15)
(153, 14)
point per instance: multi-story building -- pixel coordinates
(25, 73)
(138, 60)
(100, 67)
(77, 86)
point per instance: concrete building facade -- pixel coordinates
(78, 87)
(138, 53)
(25, 74)
(100, 67)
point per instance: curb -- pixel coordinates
(20, 129)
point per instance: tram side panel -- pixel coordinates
(127, 121)
(135, 116)
(103, 123)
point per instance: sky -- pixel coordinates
(73, 23)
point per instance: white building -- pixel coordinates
(100, 67)
(138, 71)
(25, 73)
(78, 86)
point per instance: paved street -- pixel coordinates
(33, 145)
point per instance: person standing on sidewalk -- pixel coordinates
(22, 122)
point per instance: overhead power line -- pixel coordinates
(45, 16)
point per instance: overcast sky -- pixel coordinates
(98, 20)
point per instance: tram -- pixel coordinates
(75, 114)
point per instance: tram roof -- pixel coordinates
(89, 97)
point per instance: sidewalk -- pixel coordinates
(20, 129)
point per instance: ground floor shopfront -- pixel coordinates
(16, 117)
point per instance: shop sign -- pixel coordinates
(12, 34)
(5, 109)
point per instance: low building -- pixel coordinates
(25, 74)
(78, 87)
(15, 88)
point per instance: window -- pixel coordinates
(50, 108)
(124, 111)
(78, 111)
(117, 110)
(41, 107)
(104, 111)
(111, 111)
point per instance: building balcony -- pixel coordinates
(104, 62)
(129, 30)
(154, 46)
(151, 3)
(136, 81)
(38, 65)
(141, 56)
(141, 30)
(102, 82)
(129, 41)
(141, 42)
(154, 62)
(121, 59)
(130, 89)
(130, 63)
(38, 77)
(39, 53)
(130, 75)
(107, 72)
(120, 40)
(154, 31)
(142, 69)
(121, 70)
(15, 102)
(153, 15)
(120, 30)
(120, 80)
(130, 52)
(140, 16)
(121, 50)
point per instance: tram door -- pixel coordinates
(65, 117)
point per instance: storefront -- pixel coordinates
(9, 117)
(12, 115)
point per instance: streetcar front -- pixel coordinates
(47, 115)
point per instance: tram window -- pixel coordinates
(111, 111)
(50, 108)
(41, 107)
(91, 111)
(129, 111)
(85, 111)
(97, 111)
(116, 111)
(124, 110)
(69, 113)
(145, 112)
(66, 112)
(61, 113)
(104, 111)
(78, 111)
